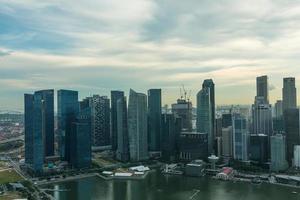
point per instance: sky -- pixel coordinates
(95, 46)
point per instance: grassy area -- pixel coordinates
(10, 196)
(8, 176)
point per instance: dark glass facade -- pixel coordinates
(115, 96)
(67, 110)
(154, 119)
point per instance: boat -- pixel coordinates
(256, 181)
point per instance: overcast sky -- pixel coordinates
(94, 46)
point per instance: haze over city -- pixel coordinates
(98, 46)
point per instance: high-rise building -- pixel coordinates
(227, 142)
(122, 153)
(240, 138)
(292, 130)
(154, 119)
(278, 153)
(67, 110)
(137, 126)
(80, 139)
(259, 148)
(39, 128)
(204, 117)
(278, 109)
(168, 144)
(289, 93)
(192, 146)
(100, 121)
(183, 109)
(296, 162)
(226, 120)
(262, 88)
(115, 96)
(208, 83)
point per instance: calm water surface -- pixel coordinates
(160, 187)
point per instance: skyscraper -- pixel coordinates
(39, 128)
(122, 153)
(204, 116)
(227, 142)
(262, 88)
(154, 119)
(183, 109)
(278, 153)
(100, 121)
(278, 109)
(67, 110)
(292, 130)
(137, 126)
(168, 145)
(289, 93)
(115, 96)
(240, 138)
(80, 139)
(208, 83)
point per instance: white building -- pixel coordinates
(297, 156)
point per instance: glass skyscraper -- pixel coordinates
(154, 119)
(240, 138)
(289, 93)
(67, 110)
(115, 96)
(137, 126)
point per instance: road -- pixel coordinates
(12, 139)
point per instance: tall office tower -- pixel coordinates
(183, 109)
(259, 148)
(115, 96)
(278, 109)
(291, 124)
(240, 137)
(39, 128)
(278, 154)
(80, 139)
(208, 83)
(137, 126)
(226, 120)
(289, 93)
(122, 153)
(227, 142)
(204, 117)
(219, 127)
(154, 120)
(100, 121)
(262, 119)
(262, 88)
(67, 110)
(168, 134)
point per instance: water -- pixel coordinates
(159, 187)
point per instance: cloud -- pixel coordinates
(96, 46)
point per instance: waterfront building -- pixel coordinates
(278, 153)
(137, 126)
(240, 137)
(39, 128)
(204, 116)
(192, 146)
(80, 140)
(154, 120)
(183, 109)
(115, 96)
(227, 142)
(67, 110)
(291, 125)
(100, 121)
(168, 136)
(259, 148)
(122, 153)
(289, 93)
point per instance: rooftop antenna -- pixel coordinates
(184, 92)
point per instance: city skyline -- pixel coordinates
(85, 46)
